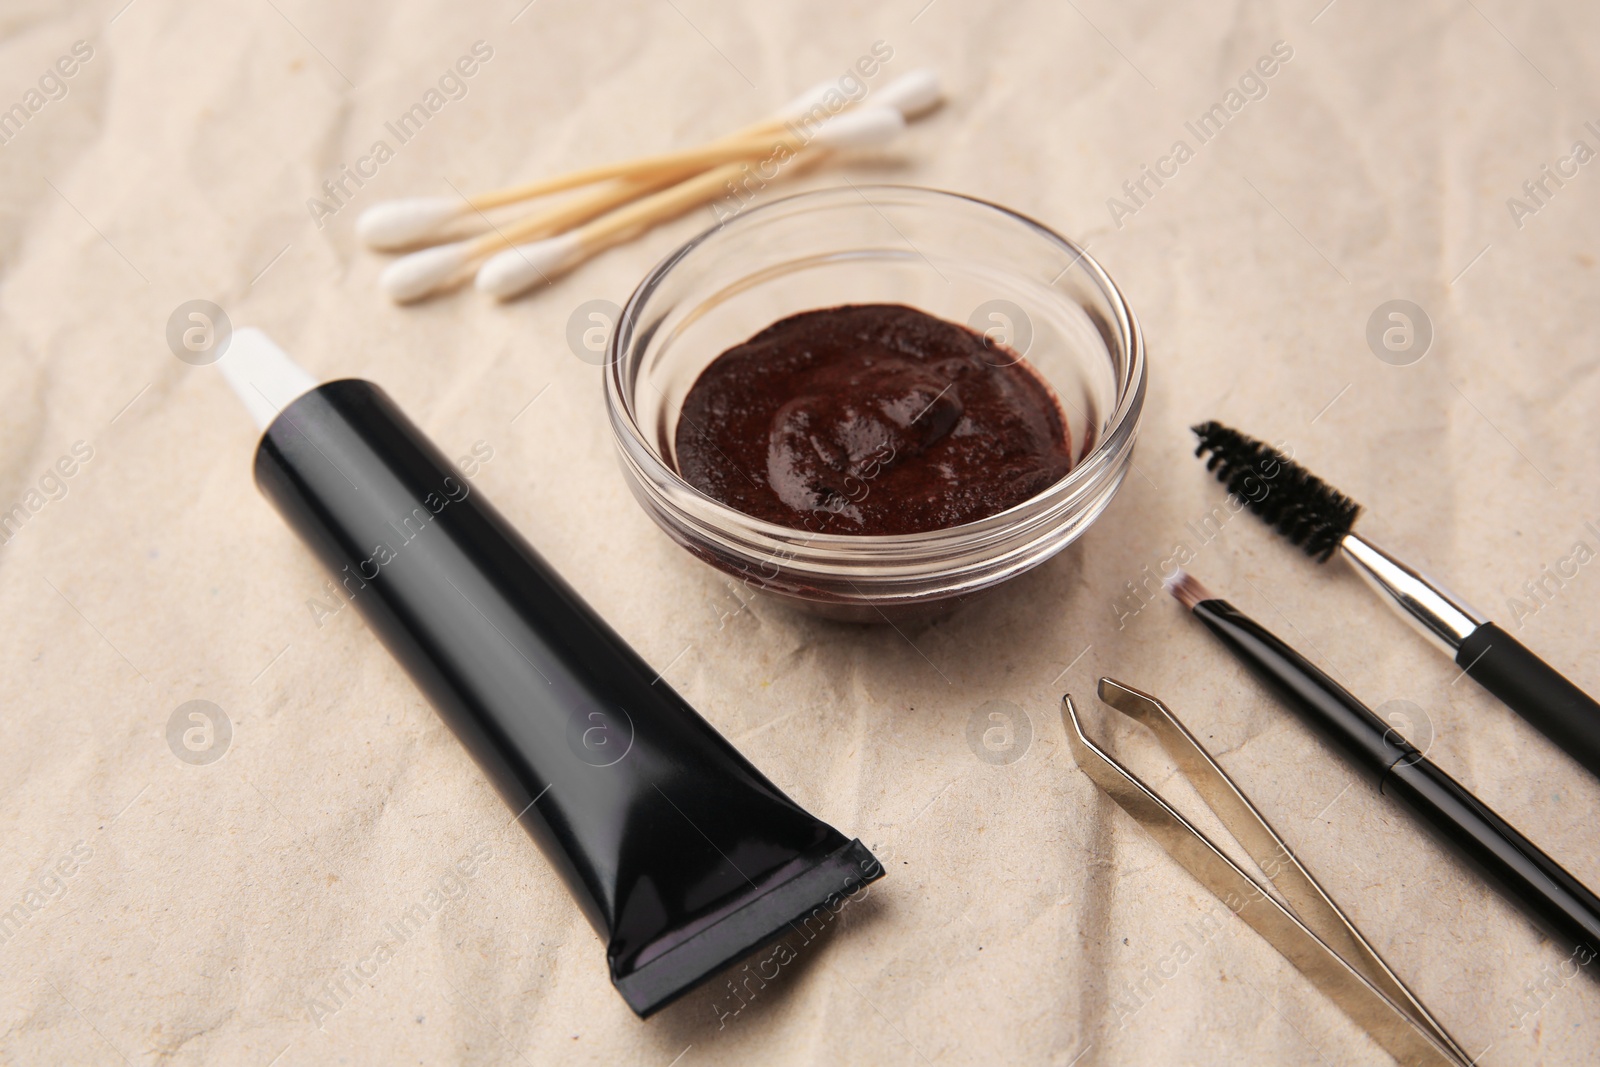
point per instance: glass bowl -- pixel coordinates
(955, 257)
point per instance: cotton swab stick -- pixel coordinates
(416, 275)
(685, 159)
(515, 270)
(518, 269)
(398, 224)
(408, 214)
(388, 225)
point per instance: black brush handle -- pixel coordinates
(1512, 864)
(1508, 861)
(1535, 690)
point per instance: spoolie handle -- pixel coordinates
(1535, 690)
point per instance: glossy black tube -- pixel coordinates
(1523, 874)
(682, 855)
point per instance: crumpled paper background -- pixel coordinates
(174, 911)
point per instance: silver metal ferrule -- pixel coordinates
(1444, 619)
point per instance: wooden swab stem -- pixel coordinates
(707, 155)
(518, 269)
(574, 212)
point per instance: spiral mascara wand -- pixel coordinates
(1319, 519)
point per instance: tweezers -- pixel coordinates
(1322, 943)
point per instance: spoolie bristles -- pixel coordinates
(1186, 588)
(1292, 500)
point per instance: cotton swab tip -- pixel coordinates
(803, 104)
(912, 94)
(402, 223)
(866, 128)
(519, 269)
(415, 276)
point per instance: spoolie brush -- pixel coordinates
(1317, 517)
(1299, 505)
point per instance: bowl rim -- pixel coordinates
(1123, 422)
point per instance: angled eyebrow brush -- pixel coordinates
(1511, 863)
(1318, 518)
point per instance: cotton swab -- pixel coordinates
(913, 94)
(403, 223)
(517, 269)
(397, 224)
(710, 155)
(400, 223)
(416, 275)
(800, 106)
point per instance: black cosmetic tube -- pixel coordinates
(683, 856)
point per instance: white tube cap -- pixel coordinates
(262, 374)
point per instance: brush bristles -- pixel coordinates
(1292, 500)
(1186, 589)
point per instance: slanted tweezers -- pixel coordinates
(1316, 936)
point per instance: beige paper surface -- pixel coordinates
(221, 912)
